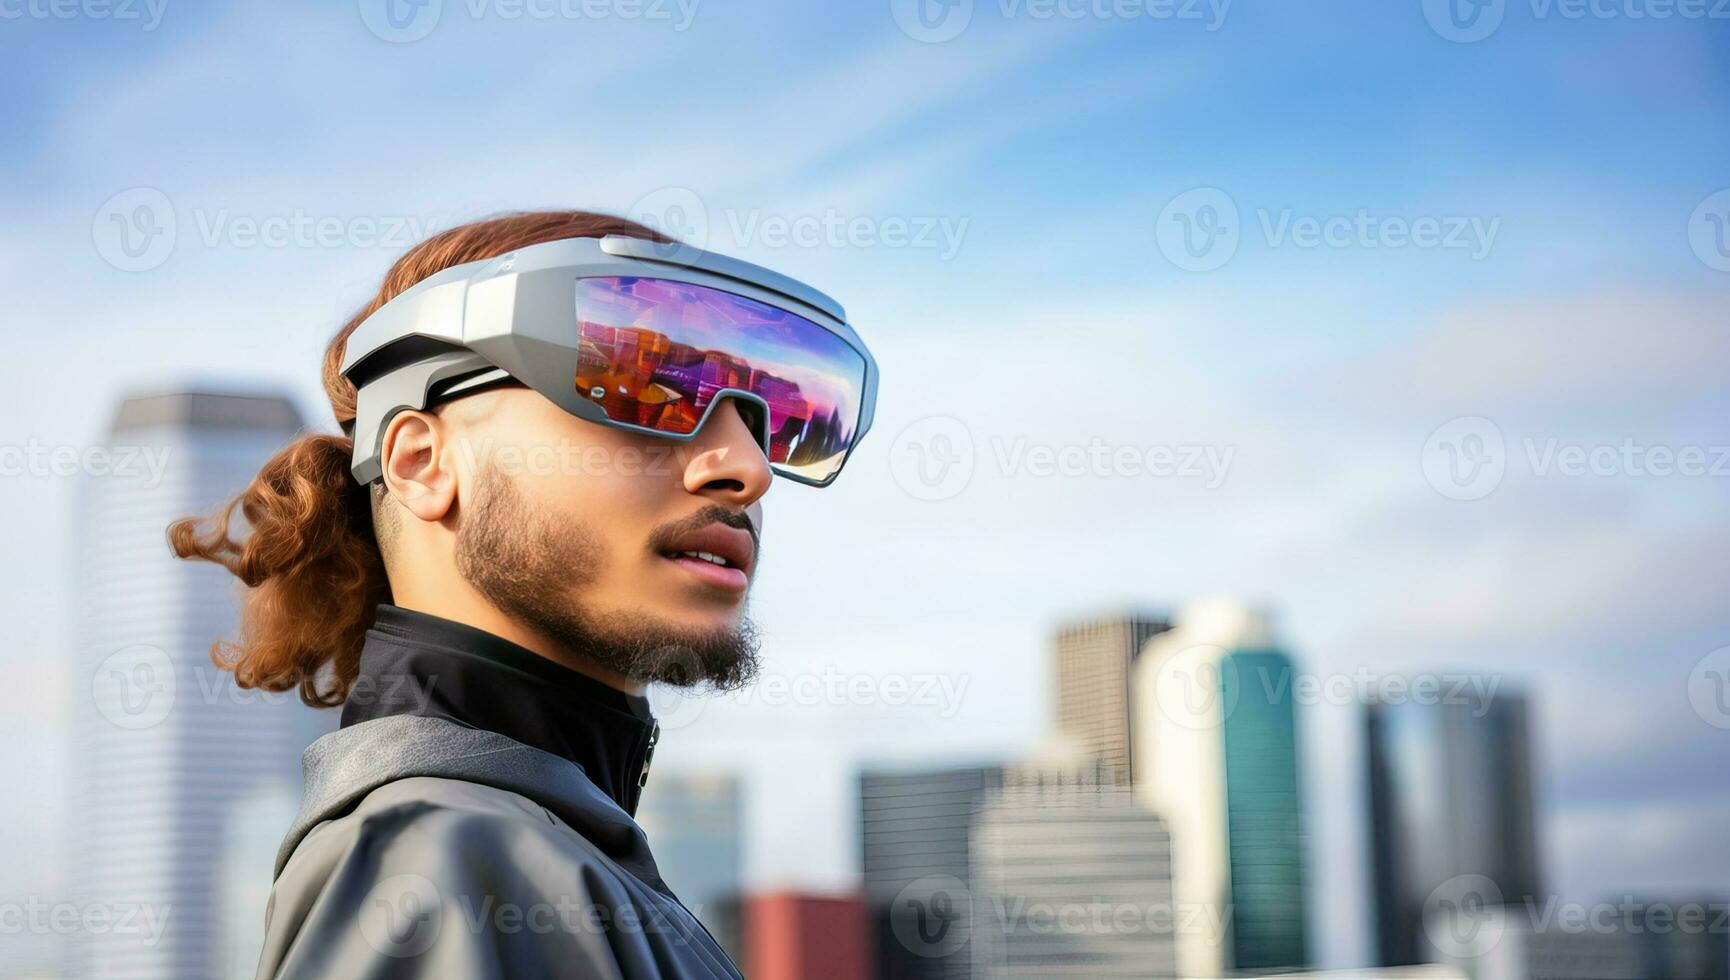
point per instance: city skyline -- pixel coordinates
(1151, 659)
(1434, 460)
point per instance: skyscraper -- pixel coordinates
(916, 862)
(694, 824)
(1071, 878)
(1093, 662)
(173, 770)
(1450, 795)
(1216, 757)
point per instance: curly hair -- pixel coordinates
(308, 553)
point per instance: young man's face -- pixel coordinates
(635, 550)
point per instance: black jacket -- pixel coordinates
(430, 846)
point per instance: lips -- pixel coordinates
(716, 553)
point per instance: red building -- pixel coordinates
(794, 936)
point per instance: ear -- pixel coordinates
(419, 464)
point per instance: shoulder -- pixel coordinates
(449, 826)
(431, 876)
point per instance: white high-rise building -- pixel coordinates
(1071, 879)
(181, 784)
(1216, 757)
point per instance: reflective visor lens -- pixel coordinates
(654, 353)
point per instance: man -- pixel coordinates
(559, 430)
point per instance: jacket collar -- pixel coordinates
(424, 666)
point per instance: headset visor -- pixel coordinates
(656, 354)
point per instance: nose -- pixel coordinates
(726, 464)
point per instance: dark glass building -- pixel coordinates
(1450, 794)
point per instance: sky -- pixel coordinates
(1343, 307)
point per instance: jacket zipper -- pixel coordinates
(648, 757)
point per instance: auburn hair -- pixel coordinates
(307, 553)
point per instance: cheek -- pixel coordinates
(610, 495)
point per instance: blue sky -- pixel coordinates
(1030, 162)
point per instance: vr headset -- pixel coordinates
(633, 334)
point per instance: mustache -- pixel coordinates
(666, 534)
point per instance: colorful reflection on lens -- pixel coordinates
(654, 352)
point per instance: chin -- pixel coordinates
(708, 620)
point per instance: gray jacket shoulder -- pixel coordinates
(425, 848)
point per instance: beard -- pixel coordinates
(533, 568)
